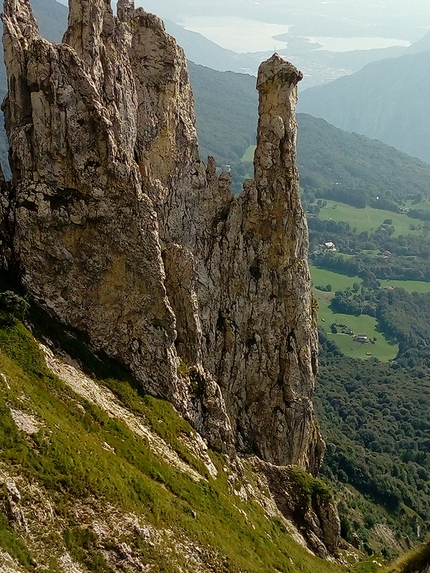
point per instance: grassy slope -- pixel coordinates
(79, 452)
(415, 561)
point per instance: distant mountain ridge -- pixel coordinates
(387, 100)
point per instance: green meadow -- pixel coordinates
(369, 219)
(423, 205)
(322, 277)
(410, 286)
(337, 280)
(381, 348)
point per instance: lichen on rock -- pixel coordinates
(115, 226)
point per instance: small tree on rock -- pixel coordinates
(12, 308)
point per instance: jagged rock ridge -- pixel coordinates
(118, 229)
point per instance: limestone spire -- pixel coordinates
(125, 9)
(123, 234)
(19, 14)
(89, 20)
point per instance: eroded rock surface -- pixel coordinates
(84, 234)
(309, 505)
(117, 228)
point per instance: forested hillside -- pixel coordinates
(374, 412)
(226, 107)
(376, 420)
(351, 164)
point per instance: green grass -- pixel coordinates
(409, 286)
(423, 205)
(322, 277)
(383, 349)
(11, 542)
(68, 459)
(414, 561)
(369, 219)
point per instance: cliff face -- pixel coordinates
(84, 234)
(115, 226)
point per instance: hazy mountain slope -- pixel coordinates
(319, 66)
(226, 107)
(226, 110)
(387, 100)
(205, 52)
(422, 45)
(342, 18)
(52, 18)
(328, 155)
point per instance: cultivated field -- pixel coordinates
(381, 348)
(369, 219)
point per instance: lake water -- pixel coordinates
(348, 44)
(245, 35)
(237, 34)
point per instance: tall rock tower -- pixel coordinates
(115, 226)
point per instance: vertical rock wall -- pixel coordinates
(119, 230)
(85, 236)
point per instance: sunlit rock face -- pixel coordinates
(116, 227)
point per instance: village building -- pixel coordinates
(330, 246)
